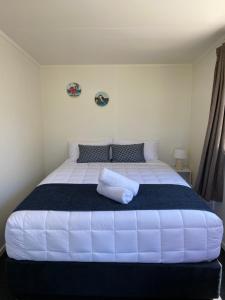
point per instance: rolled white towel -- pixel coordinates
(114, 179)
(117, 194)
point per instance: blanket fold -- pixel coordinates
(83, 197)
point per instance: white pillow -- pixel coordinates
(150, 147)
(74, 149)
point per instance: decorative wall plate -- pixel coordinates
(73, 89)
(101, 98)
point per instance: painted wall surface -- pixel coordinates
(21, 160)
(203, 72)
(146, 101)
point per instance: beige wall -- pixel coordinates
(21, 160)
(146, 101)
(203, 71)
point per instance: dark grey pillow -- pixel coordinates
(128, 153)
(93, 153)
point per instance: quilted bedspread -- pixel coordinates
(165, 223)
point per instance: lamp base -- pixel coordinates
(179, 164)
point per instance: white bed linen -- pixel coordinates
(156, 236)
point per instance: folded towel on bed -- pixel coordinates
(113, 179)
(118, 194)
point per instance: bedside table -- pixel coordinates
(186, 174)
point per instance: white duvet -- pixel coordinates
(145, 236)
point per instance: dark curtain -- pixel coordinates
(210, 179)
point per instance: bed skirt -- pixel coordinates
(83, 279)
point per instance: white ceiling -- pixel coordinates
(113, 31)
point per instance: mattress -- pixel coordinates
(146, 236)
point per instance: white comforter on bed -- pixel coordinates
(156, 236)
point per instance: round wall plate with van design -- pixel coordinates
(73, 89)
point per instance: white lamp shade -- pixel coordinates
(180, 154)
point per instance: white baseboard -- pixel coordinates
(2, 250)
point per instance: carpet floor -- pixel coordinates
(5, 293)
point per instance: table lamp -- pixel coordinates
(180, 155)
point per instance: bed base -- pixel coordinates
(115, 280)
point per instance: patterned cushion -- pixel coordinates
(93, 153)
(128, 153)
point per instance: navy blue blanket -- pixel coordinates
(83, 197)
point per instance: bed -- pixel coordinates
(169, 249)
